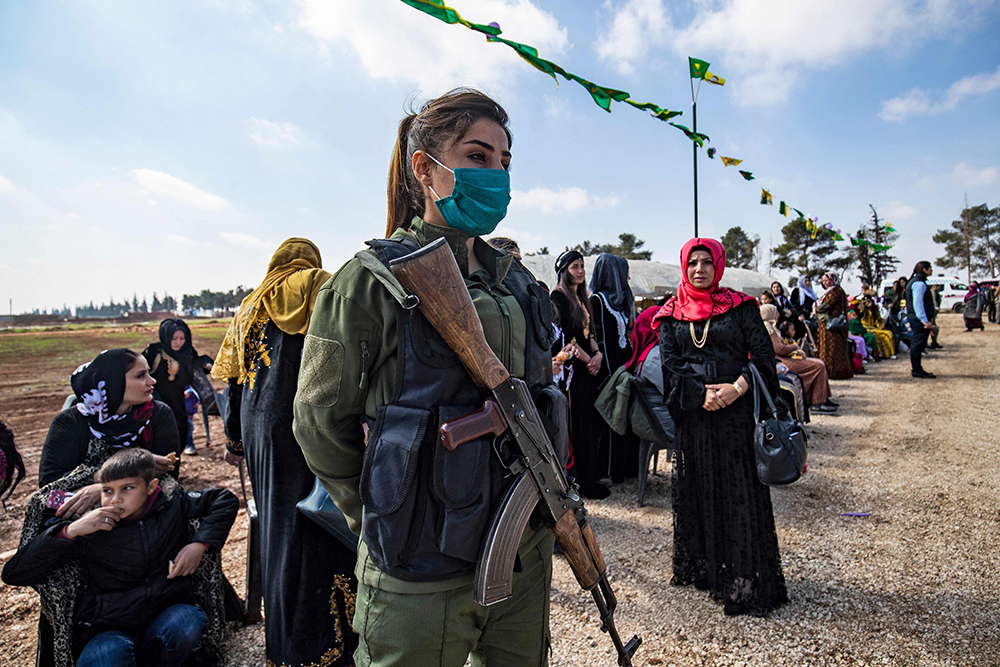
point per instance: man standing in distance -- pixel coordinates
(919, 311)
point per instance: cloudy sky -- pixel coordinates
(171, 146)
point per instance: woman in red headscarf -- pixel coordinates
(724, 536)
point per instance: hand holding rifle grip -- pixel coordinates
(432, 274)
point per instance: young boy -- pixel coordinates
(136, 553)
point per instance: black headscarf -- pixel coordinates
(11, 463)
(565, 259)
(100, 387)
(168, 328)
(610, 278)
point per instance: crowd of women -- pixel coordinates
(337, 385)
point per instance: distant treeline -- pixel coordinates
(205, 300)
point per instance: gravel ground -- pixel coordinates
(908, 585)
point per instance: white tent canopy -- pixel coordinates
(652, 279)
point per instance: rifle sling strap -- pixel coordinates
(370, 261)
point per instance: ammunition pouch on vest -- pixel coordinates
(427, 510)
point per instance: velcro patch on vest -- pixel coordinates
(322, 372)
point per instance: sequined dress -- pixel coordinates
(309, 585)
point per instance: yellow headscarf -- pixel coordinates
(287, 294)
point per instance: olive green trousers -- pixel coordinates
(444, 629)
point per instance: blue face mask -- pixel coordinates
(478, 201)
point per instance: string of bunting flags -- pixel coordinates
(604, 96)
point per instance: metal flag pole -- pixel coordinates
(694, 151)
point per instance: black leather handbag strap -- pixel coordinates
(760, 389)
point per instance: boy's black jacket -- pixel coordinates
(126, 568)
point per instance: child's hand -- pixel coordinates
(187, 559)
(83, 500)
(103, 518)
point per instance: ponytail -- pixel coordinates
(402, 202)
(439, 121)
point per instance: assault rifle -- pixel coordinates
(432, 275)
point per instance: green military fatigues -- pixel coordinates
(347, 373)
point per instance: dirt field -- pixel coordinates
(911, 584)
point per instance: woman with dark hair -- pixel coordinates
(783, 303)
(371, 358)
(613, 306)
(724, 536)
(308, 582)
(172, 363)
(588, 432)
(114, 405)
(833, 349)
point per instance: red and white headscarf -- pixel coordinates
(692, 304)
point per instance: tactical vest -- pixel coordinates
(911, 309)
(427, 510)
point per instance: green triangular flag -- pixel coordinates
(697, 67)
(746, 174)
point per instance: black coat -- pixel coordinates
(69, 437)
(126, 568)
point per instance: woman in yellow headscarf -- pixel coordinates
(870, 318)
(309, 588)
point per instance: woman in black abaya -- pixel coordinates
(309, 586)
(588, 432)
(613, 306)
(724, 536)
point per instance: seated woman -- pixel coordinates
(812, 372)
(857, 329)
(172, 363)
(873, 321)
(114, 405)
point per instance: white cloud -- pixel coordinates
(400, 44)
(183, 240)
(966, 176)
(917, 102)
(6, 187)
(765, 45)
(897, 210)
(564, 200)
(636, 25)
(246, 241)
(165, 185)
(266, 133)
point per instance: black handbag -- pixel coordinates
(779, 442)
(319, 507)
(837, 324)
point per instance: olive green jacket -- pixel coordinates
(349, 364)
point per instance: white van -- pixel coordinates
(952, 291)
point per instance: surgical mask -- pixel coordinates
(478, 201)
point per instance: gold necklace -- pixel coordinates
(704, 334)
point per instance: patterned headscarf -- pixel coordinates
(100, 387)
(564, 260)
(610, 278)
(692, 304)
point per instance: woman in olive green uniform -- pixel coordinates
(372, 359)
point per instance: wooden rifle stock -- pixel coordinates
(432, 274)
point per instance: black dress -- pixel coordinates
(624, 449)
(588, 432)
(724, 536)
(804, 309)
(309, 585)
(171, 390)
